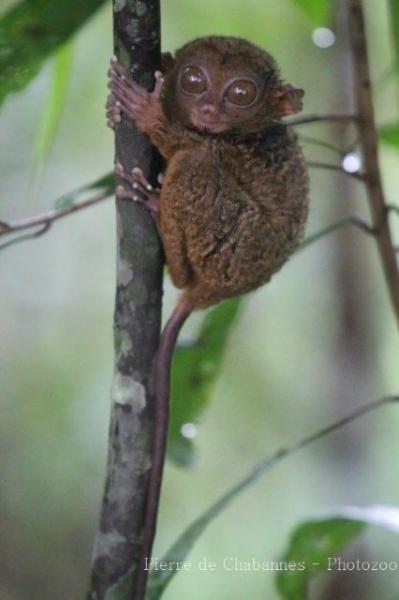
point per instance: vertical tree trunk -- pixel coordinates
(136, 328)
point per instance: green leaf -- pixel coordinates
(390, 134)
(314, 544)
(31, 31)
(311, 547)
(195, 369)
(318, 11)
(52, 111)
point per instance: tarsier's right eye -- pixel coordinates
(193, 80)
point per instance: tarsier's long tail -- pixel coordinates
(159, 436)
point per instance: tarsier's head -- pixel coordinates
(226, 85)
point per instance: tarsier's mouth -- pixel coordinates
(208, 125)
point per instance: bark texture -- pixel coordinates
(137, 322)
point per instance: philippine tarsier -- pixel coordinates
(234, 195)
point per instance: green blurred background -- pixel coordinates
(306, 349)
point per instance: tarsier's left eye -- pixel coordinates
(242, 92)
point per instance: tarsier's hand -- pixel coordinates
(129, 98)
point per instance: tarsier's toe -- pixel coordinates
(113, 111)
(121, 192)
(138, 177)
(119, 170)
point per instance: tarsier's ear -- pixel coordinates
(289, 100)
(167, 61)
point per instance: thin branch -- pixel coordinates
(48, 218)
(392, 208)
(369, 144)
(327, 118)
(26, 236)
(320, 165)
(312, 140)
(353, 220)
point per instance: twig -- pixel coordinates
(392, 208)
(320, 165)
(312, 140)
(353, 220)
(369, 143)
(327, 118)
(26, 236)
(48, 218)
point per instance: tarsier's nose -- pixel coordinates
(208, 109)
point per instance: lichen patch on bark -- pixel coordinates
(125, 272)
(128, 392)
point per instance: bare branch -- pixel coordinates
(26, 236)
(369, 143)
(392, 208)
(312, 140)
(353, 220)
(327, 118)
(320, 165)
(45, 220)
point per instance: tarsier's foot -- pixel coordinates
(130, 97)
(140, 190)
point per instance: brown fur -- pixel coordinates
(233, 205)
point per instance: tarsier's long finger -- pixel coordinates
(116, 72)
(123, 105)
(135, 91)
(158, 84)
(120, 91)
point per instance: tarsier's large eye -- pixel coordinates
(242, 92)
(193, 80)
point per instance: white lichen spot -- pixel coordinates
(125, 272)
(141, 8)
(125, 342)
(126, 391)
(119, 5)
(106, 542)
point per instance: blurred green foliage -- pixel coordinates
(195, 369)
(319, 11)
(55, 103)
(31, 31)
